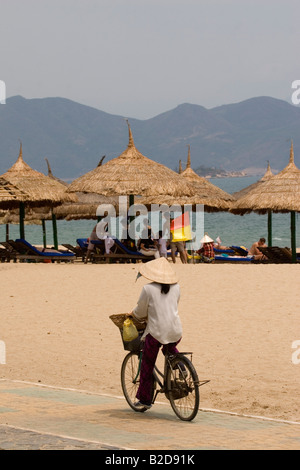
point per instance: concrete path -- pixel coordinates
(33, 416)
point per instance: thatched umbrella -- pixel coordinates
(132, 173)
(243, 192)
(41, 190)
(280, 193)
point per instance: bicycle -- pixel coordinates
(179, 381)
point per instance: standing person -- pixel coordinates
(162, 245)
(158, 304)
(177, 245)
(180, 247)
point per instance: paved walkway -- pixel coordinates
(33, 416)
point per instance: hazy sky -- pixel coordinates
(139, 58)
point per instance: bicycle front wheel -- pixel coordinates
(183, 388)
(130, 379)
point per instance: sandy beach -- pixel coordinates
(239, 321)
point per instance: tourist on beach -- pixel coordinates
(218, 244)
(254, 248)
(91, 245)
(99, 233)
(207, 250)
(147, 246)
(180, 247)
(162, 245)
(158, 304)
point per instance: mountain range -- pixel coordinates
(74, 137)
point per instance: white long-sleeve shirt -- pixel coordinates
(161, 312)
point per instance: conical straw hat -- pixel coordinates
(159, 270)
(206, 239)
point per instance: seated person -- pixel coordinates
(148, 247)
(207, 251)
(91, 246)
(254, 248)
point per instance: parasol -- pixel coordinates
(40, 189)
(280, 193)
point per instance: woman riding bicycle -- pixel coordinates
(158, 304)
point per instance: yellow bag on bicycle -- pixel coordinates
(130, 331)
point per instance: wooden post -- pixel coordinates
(131, 202)
(44, 233)
(270, 228)
(293, 236)
(22, 217)
(54, 225)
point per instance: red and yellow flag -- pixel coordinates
(181, 229)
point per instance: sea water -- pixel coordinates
(232, 229)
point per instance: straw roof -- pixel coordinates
(85, 208)
(40, 188)
(10, 195)
(204, 192)
(132, 174)
(249, 188)
(280, 193)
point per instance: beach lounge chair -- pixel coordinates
(226, 256)
(12, 253)
(82, 243)
(119, 252)
(77, 250)
(239, 250)
(26, 251)
(220, 251)
(277, 255)
(7, 253)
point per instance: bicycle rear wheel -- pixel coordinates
(183, 388)
(130, 379)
